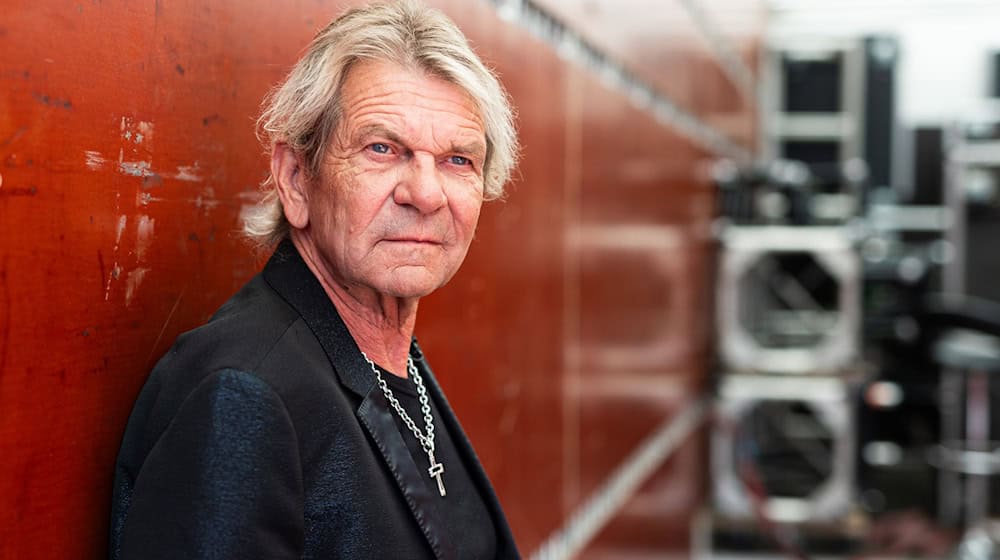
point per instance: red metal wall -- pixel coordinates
(577, 325)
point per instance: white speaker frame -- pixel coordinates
(833, 249)
(828, 398)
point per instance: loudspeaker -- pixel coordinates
(783, 447)
(788, 299)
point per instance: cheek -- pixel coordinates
(328, 213)
(343, 208)
(466, 212)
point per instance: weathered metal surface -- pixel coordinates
(127, 154)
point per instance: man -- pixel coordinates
(302, 420)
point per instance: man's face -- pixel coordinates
(397, 201)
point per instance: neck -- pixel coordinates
(382, 326)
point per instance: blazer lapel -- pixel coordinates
(376, 417)
(506, 547)
(288, 274)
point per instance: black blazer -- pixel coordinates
(262, 434)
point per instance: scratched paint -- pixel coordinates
(135, 132)
(144, 131)
(135, 168)
(132, 282)
(115, 269)
(94, 160)
(206, 199)
(187, 173)
(115, 273)
(122, 222)
(143, 198)
(143, 236)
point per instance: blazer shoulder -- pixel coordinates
(238, 338)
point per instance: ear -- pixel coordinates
(292, 183)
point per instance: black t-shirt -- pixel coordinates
(465, 514)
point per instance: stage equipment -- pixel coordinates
(788, 299)
(783, 448)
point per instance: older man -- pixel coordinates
(302, 420)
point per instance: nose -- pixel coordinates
(421, 185)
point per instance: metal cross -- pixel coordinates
(435, 471)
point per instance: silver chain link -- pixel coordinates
(427, 442)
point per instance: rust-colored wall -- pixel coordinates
(577, 324)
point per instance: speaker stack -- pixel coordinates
(788, 321)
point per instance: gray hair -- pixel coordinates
(304, 110)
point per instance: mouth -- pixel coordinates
(413, 240)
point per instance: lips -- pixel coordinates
(413, 240)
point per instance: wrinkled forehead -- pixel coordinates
(407, 100)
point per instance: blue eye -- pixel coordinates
(380, 148)
(459, 160)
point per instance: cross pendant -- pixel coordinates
(435, 471)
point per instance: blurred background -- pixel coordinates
(742, 300)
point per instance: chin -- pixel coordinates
(409, 292)
(413, 287)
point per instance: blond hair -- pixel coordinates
(304, 110)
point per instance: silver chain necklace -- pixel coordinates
(426, 441)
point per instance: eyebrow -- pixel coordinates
(476, 149)
(377, 130)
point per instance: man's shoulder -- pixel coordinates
(243, 335)
(256, 343)
(239, 335)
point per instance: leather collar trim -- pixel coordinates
(289, 275)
